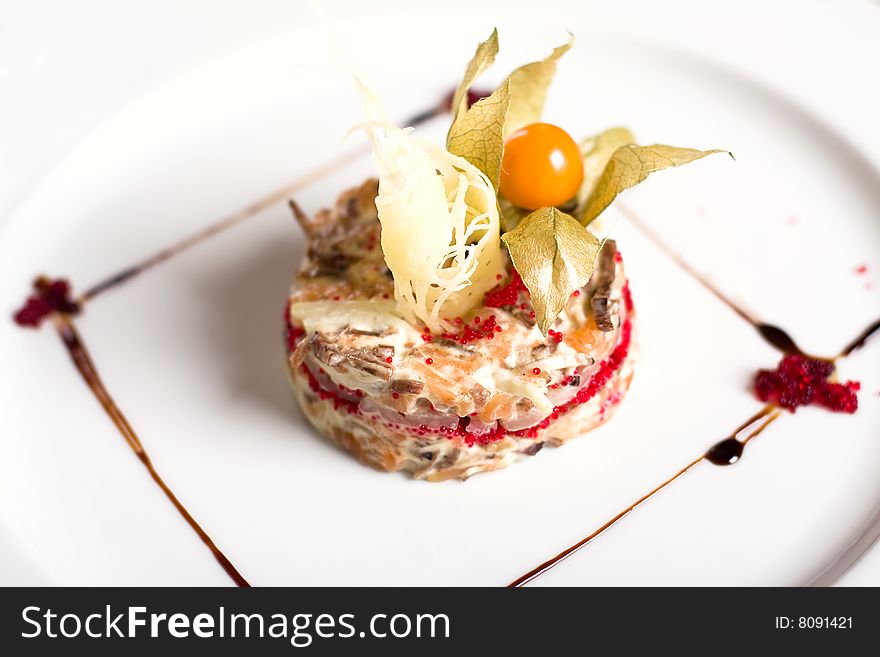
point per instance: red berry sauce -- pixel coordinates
(50, 296)
(800, 381)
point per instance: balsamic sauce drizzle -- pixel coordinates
(726, 452)
(86, 367)
(771, 334)
(860, 340)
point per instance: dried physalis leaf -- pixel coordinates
(597, 150)
(528, 89)
(483, 58)
(477, 135)
(630, 165)
(476, 132)
(554, 255)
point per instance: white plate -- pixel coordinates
(193, 355)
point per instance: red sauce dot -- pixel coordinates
(429, 361)
(576, 293)
(389, 359)
(536, 371)
(395, 395)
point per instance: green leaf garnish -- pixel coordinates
(528, 89)
(555, 255)
(628, 166)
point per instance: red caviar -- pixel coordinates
(49, 296)
(801, 381)
(293, 333)
(505, 295)
(484, 328)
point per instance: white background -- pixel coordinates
(66, 66)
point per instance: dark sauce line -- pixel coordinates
(248, 211)
(251, 209)
(673, 255)
(860, 340)
(86, 367)
(725, 452)
(771, 334)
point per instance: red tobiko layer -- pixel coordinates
(603, 375)
(292, 333)
(800, 381)
(507, 294)
(49, 296)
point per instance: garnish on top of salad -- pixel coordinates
(502, 170)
